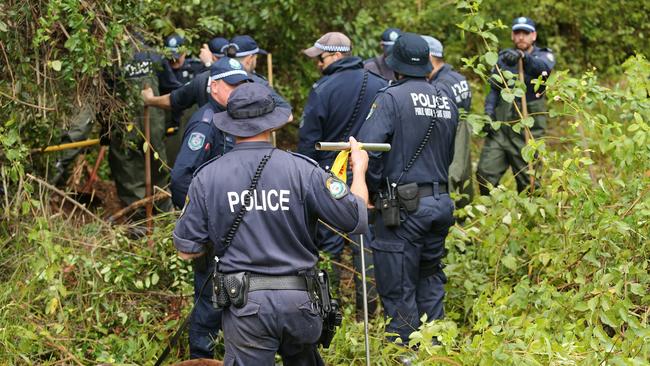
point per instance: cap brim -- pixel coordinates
(248, 127)
(524, 27)
(408, 70)
(263, 52)
(312, 52)
(236, 79)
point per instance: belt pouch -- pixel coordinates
(221, 299)
(389, 208)
(408, 196)
(236, 285)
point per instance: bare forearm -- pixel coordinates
(162, 102)
(189, 256)
(359, 187)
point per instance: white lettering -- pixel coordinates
(233, 199)
(250, 202)
(414, 97)
(272, 192)
(284, 198)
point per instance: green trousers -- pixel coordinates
(460, 170)
(502, 148)
(126, 155)
(80, 127)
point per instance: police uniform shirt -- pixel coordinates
(401, 115)
(538, 63)
(194, 92)
(455, 85)
(279, 100)
(331, 104)
(378, 65)
(202, 140)
(276, 236)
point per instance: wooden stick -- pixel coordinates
(147, 174)
(137, 204)
(93, 175)
(269, 73)
(66, 197)
(527, 134)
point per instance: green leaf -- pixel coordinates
(52, 305)
(528, 121)
(155, 278)
(145, 147)
(510, 262)
(507, 96)
(3, 26)
(56, 65)
(491, 58)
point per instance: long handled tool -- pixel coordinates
(269, 74)
(527, 135)
(147, 174)
(365, 299)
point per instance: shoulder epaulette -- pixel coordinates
(207, 115)
(259, 76)
(307, 158)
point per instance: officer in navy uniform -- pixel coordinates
(275, 241)
(245, 50)
(202, 141)
(408, 266)
(212, 51)
(378, 64)
(337, 106)
(196, 92)
(457, 87)
(502, 147)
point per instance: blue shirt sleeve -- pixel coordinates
(191, 232)
(195, 150)
(378, 127)
(538, 63)
(187, 95)
(341, 209)
(491, 101)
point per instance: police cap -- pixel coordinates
(523, 23)
(410, 56)
(251, 110)
(435, 47)
(329, 42)
(229, 70)
(243, 46)
(216, 46)
(172, 43)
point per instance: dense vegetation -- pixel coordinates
(558, 279)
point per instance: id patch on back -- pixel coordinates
(337, 188)
(196, 141)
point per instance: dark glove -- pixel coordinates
(511, 56)
(487, 128)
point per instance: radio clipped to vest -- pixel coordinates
(319, 291)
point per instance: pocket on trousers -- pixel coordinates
(251, 308)
(389, 261)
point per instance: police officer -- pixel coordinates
(502, 148)
(420, 123)
(336, 108)
(456, 86)
(245, 50)
(378, 64)
(201, 139)
(274, 243)
(212, 51)
(126, 156)
(201, 142)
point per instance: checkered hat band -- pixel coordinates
(246, 53)
(227, 73)
(388, 43)
(327, 48)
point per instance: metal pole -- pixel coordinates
(340, 146)
(365, 300)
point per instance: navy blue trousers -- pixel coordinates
(273, 321)
(409, 277)
(206, 320)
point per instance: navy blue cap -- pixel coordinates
(523, 23)
(251, 110)
(229, 70)
(389, 36)
(173, 43)
(244, 46)
(216, 46)
(410, 56)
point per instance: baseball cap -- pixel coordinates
(173, 43)
(330, 42)
(229, 70)
(523, 23)
(410, 56)
(389, 36)
(435, 47)
(216, 46)
(244, 45)
(251, 110)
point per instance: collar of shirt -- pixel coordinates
(252, 145)
(216, 107)
(349, 62)
(442, 70)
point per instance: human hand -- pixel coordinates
(511, 56)
(147, 95)
(358, 158)
(205, 55)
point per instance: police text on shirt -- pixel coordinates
(261, 201)
(431, 105)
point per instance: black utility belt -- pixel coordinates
(233, 288)
(406, 196)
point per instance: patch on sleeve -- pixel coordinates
(337, 188)
(187, 201)
(196, 141)
(550, 57)
(372, 109)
